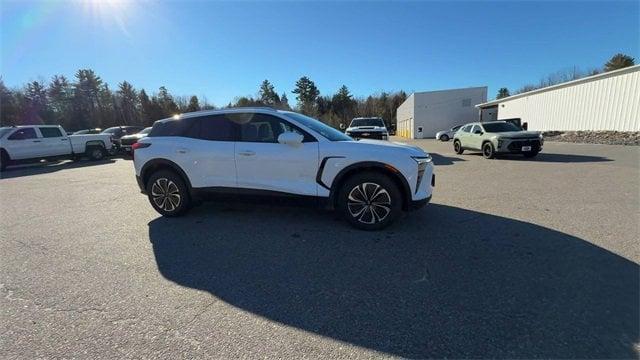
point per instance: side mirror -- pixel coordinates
(290, 138)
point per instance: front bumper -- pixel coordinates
(515, 146)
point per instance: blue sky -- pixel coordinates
(225, 49)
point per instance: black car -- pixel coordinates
(128, 140)
(117, 132)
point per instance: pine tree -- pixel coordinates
(194, 105)
(307, 92)
(503, 93)
(619, 61)
(268, 95)
(128, 104)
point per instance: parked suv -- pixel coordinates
(257, 151)
(497, 137)
(367, 128)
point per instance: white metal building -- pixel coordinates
(607, 101)
(423, 114)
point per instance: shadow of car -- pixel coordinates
(450, 283)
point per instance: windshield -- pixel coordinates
(319, 127)
(367, 122)
(4, 131)
(500, 127)
(145, 130)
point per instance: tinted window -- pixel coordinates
(214, 128)
(22, 134)
(500, 127)
(455, 128)
(476, 129)
(49, 132)
(171, 127)
(466, 128)
(115, 131)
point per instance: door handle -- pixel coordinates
(182, 151)
(247, 153)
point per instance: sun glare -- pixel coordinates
(109, 12)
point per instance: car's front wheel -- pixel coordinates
(168, 193)
(457, 147)
(370, 201)
(487, 150)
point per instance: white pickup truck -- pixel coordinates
(36, 142)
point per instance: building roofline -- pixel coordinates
(446, 90)
(587, 79)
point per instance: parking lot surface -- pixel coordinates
(513, 258)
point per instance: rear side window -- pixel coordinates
(171, 127)
(23, 134)
(50, 132)
(215, 128)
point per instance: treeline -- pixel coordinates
(87, 101)
(617, 61)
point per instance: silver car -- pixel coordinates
(447, 134)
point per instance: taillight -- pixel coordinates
(139, 145)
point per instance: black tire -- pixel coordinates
(444, 137)
(4, 160)
(168, 193)
(95, 153)
(369, 201)
(530, 154)
(488, 151)
(457, 147)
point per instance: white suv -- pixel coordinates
(261, 151)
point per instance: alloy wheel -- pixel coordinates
(369, 203)
(165, 194)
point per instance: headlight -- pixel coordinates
(421, 160)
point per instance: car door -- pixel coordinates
(263, 163)
(463, 136)
(206, 151)
(54, 141)
(24, 143)
(475, 137)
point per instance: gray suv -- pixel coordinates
(497, 137)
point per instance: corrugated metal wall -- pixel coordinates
(608, 103)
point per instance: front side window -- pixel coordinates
(324, 130)
(266, 128)
(49, 132)
(24, 134)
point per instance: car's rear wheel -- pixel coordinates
(444, 137)
(487, 150)
(370, 201)
(95, 153)
(457, 147)
(168, 193)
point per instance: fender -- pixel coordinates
(163, 163)
(405, 189)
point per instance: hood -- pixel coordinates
(518, 134)
(391, 145)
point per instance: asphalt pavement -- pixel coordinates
(514, 258)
